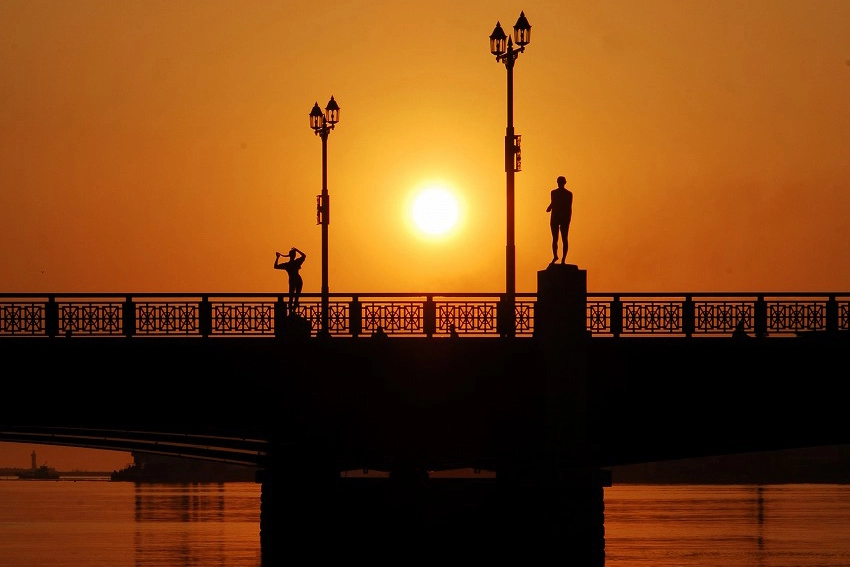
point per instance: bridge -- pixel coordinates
(586, 381)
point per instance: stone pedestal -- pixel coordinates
(561, 309)
(560, 328)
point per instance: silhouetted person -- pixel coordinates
(379, 333)
(292, 267)
(561, 207)
(453, 331)
(740, 332)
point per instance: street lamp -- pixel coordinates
(322, 123)
(503, 48)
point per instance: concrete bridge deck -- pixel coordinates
(443, 403)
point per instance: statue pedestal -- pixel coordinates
(561, 308)
(560, 329)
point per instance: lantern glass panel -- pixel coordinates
(498, 40)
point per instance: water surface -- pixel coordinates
(104, 524)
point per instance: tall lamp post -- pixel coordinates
(503, 48)
(322, 123)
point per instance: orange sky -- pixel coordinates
(161, 146)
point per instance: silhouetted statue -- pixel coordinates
(292, 267)
(561, 209)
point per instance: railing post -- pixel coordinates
(616, 316)
(503, 318)
(355, 316)
(205, 316)
(689, 316)
(832, 314)
(760, 317)
(280, 315)
(51, 317)
(128, 317)
(429, 316)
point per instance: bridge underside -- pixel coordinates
(439, 403)
(653, 400)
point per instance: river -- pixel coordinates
(96, 523)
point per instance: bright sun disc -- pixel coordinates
(435, 211)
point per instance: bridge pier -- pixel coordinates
(542, 499)
(390, 520)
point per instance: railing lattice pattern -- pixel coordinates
(167, 319)
(723, 316)
(467, 317)
(393, 317)
(90, 318)
(22, 319)
(243, 319)
(231, 315)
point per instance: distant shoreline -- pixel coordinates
(815, 465)
(77, 474)
(824, 465)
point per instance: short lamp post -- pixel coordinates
(503, 48)
(322, 123)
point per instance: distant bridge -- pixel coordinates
(232, 450)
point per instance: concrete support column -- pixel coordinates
(299, 512)
(558, 484)
(560, 331)
(558, 516)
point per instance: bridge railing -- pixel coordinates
(715, 314)
(423, 315)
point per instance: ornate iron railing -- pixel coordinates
(406, 314)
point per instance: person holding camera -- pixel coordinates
(293, 268)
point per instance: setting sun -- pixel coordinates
(435, 211)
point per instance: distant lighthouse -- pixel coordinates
(34, 466)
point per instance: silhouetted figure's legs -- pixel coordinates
(554, 242)
(562, 229)
(295, 292)
(564, 242)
